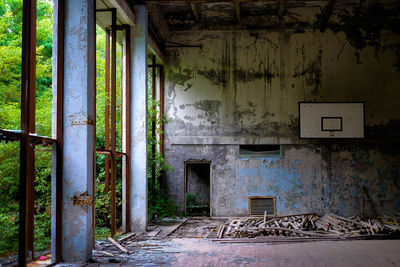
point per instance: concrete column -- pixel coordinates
(78, 155)
(138, 141)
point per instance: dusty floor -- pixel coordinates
(203, 252)
(190, 243)
(193, 242)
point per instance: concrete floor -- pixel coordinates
(191, 252)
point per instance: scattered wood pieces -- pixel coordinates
(177, 226)
(329, 226)
(355, 226)
(126, 237)
(154, 232)
(118, 245)
(105, 253)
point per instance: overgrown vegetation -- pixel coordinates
(10, 97)
(160, 205)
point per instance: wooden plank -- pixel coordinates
(177, 226)
(221, 232)
(105, 253)
(122, 239)
(118, 245)
(154, 233)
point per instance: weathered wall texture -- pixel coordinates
(308, 178)
(243, 87)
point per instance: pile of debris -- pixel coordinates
(355, 226)
(309, 225)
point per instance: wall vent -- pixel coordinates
(258, 205)
(260, 151)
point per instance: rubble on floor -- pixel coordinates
(329, 226)
(198, 227)
(159, 245)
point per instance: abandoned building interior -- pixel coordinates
(271, 108)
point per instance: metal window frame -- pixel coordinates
(110, 150)
(27, 137)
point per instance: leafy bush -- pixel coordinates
(159, 204)
(10, 97)
(8, 229)
(190, 199)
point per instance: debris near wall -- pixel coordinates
(199, 227)
(355, 226)
(311, 226)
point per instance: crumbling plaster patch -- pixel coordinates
(251, 73)
(308, 178)
(255, 80)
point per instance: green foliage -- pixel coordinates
(163, 206)
(103, 198)
(190, 199)
(42, 206)
(10, 97)
(102, 233)
(8, 228)
(159, 203)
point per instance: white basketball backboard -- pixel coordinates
(331, 120)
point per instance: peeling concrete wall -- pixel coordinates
(243, 87)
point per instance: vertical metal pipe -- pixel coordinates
(362, 202)
(122, 101)
(31, 125)
(162, 111)
(113, 116)
(128, 122)
(25, 166)
(153, 126)
(60, 130)
(94, 126)
(107, 111)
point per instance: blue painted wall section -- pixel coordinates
(307, 178)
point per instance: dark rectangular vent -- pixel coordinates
(260, 150)
(258, 205)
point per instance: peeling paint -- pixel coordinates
(245, 88)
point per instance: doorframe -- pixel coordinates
(193, 161)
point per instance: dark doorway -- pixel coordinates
(197, 188)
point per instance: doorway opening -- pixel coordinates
(197, 188)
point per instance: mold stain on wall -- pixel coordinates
(245, 88)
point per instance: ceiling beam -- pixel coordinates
(125, 11)
(195, 10)
(281, 10)
(237, 11)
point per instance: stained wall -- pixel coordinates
(243, 87)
